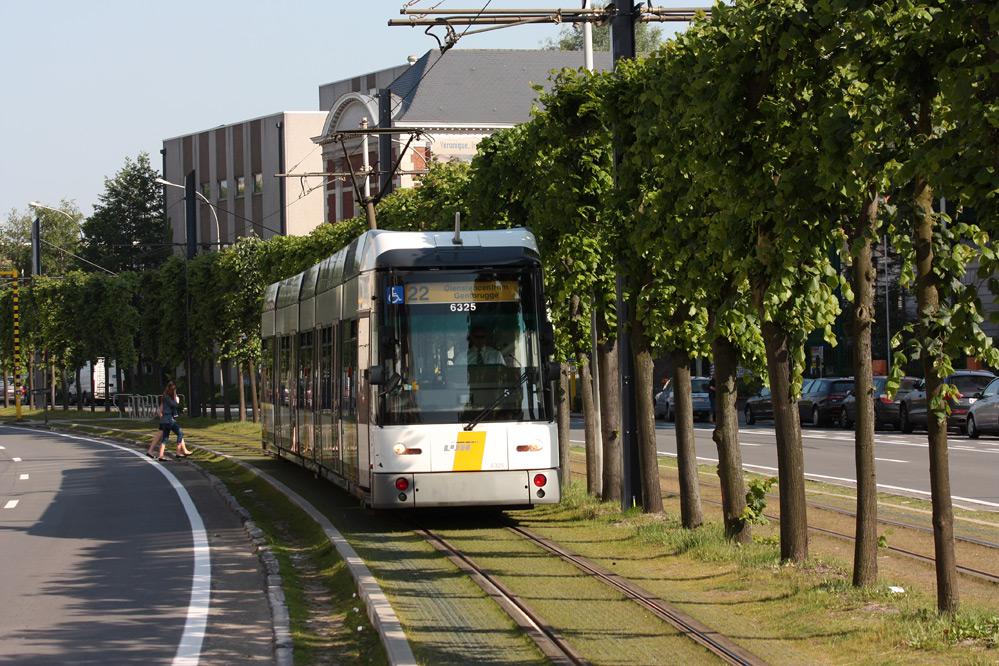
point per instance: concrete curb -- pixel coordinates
(280, 619)
(380, 611)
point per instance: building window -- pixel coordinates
(258, 183)
(240, 186)
(206, 190)
(223, 189)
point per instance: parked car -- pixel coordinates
(983, 415)
(822, 399)
(665, 405)
(886, 410)
(759, 406)
(969, 384)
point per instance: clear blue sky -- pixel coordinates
(86, 84)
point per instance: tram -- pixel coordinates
(411, 368)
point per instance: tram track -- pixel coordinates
(721, 646)
(546, 637)
(965, 570)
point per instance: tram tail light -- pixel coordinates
(402, 484)
(540, 480)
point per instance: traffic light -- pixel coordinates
(36, 249)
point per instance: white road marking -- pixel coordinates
(892, 460)
(11, 504)
(189, 649)
(15, 460)
(24, 477)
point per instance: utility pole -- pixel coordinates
(193, 372)
(623, 47)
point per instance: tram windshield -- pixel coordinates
(460, 347)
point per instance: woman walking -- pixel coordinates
(169, 410)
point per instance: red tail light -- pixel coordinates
(886, 399)
(540, 480)
(402, 483)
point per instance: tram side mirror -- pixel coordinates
(547, 338)
(387, 342)
(376, 375)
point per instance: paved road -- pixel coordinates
(902, 460)
(110, 557)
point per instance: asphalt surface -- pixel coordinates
(112, 558)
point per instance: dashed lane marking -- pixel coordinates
(24, 477)
(11, 504)
(892, 460)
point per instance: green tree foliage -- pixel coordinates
(127, 231)
(60, 239)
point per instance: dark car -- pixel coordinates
(886, 409)
(759, 406)
(983, 416)
(969, 384)
(822, 399)
(665, 404)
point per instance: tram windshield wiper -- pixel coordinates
(530, 373)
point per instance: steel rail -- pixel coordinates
(966, 570)
(718, 644)
(547, 638)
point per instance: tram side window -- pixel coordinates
(267, 388)
(286, 389)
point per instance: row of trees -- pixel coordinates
(750, 151)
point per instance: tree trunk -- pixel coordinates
(564, 409)
(591, 436)
(52, 382)
(648, 455)
(254, 396)
(790, 458)
(928, 300)
(726, 437)
(226, 401)
(242, 392)
(691, 513)
(210, 365)
(610, 410)
(65, 384)
(865, 548)
(79, 392)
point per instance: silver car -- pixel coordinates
(665, 404)
(983, 416)
(969, 384)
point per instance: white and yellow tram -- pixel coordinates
(412, 369)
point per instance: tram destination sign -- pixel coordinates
(454, 291)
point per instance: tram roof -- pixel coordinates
(382, 248)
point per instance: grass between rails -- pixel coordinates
(809, 613)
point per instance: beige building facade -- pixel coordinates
(238, 175)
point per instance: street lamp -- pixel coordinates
(218, 234)
(35, 204)
(79, 227)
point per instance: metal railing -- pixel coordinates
(141, 407)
